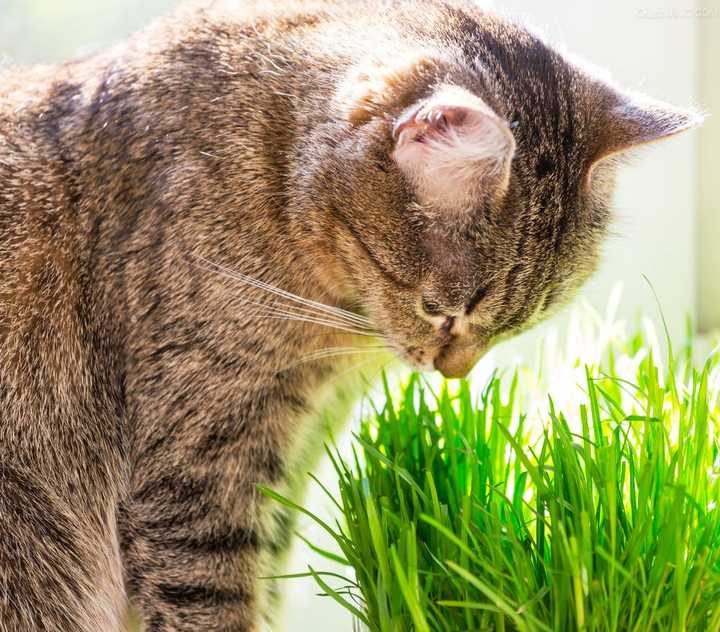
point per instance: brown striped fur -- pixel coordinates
(143, 394)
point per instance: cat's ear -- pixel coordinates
(454, 149)
(630, 121)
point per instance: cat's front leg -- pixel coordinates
(193, 544)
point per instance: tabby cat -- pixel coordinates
(197, 226)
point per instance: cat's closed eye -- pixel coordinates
(430, 307)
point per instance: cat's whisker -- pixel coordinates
(282, 311)
(309, 303)
(329, 319)
(334, 352)
(355, 332)
(357, 367)
(334, 311)
(272, 313)
(338, 354)
(288, 310)
(331, 351)
(355, 349)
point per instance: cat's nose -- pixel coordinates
(456, 360)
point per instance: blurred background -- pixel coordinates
(667, 208)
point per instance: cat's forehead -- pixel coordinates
(545, 95)
(457, 263)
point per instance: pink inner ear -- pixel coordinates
(453, 148)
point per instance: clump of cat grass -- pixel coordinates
(461, 512)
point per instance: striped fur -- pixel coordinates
(195, 228)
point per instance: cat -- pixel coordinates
(197, 228)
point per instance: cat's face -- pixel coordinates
(468, 195)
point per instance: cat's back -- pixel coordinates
(36, 203)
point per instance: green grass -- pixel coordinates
(465, 509)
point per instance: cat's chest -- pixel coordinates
(334, 402)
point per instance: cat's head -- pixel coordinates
(462, 188)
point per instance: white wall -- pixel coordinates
(708, 233)
(45, 30)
